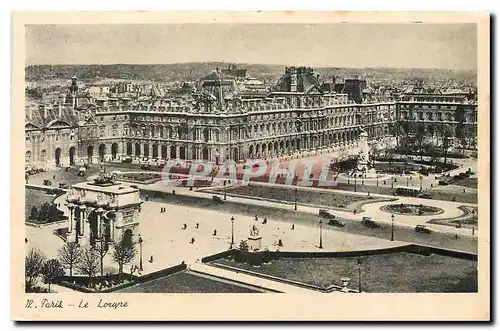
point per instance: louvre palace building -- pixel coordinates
(227, 116)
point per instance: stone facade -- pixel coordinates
(217, 123)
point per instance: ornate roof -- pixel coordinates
(304, 77)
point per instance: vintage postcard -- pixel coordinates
(250, 166)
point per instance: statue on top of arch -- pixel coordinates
(105, 178)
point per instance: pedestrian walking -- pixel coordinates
(151, 259)
(192, 240)
(293, 226)
(184, 227)
(280, 243)
(215, 232)
(256, 218)
(197, 225)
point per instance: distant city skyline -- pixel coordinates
(418, 46)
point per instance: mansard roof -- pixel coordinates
(306, 80)
(47, 116)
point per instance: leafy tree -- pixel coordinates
(54, 214)
(123, 253)
(34, 213)
(69, 255)
(43, 213)
(89, 262)
(50, 270)
(33, 264)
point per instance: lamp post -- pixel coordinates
(232, 232)
(296, 199)
(224, 190)
(355, 181)
(421, 178)
(140, 252)
(321, 234)
(392, 227)
(359, 275)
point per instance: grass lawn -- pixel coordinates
(35, 198)
(317, 198)
(397, 272)
(186, 282)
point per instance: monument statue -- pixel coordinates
(363, 154)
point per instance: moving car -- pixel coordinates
(128, 159)
(63, 186)
(367, 221)
(326, 213)
(146, 166)
(422, 229)
(335, 222)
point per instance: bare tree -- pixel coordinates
(123, 253)
(69, 255)
(50, 270)
(102, 249)
(33, 264)
(420, 135)
(89, 262)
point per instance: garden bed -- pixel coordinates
(395, 272)
(411, 210)
(140, 177)
(328, 199)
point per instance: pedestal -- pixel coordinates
(254, 243)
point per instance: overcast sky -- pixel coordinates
(450, 46)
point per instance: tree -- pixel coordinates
(69, 255)
(33, 264)
(89, 262)
(102, 249)
(420, 135)
(43, 213)
(34, 213)
(123, 253)
(447, 133)
(50, 270)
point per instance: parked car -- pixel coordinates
(422, 229)
(63, 186)
(367, 221)
(82, 171)
(335, 222)
(217, 199)
(326, 214)
(146, 166)
(425, 196)
(127, 160)
(47, 182)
